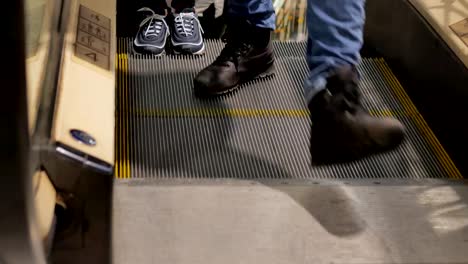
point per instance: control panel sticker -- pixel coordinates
(93, 38)
(83, 137)
(461, 29)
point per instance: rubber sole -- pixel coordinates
(178, 51)
(270, 71)
(135, 51)
(167, 51)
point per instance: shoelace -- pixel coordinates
(232, 51)
(185, 23)
(155, 24)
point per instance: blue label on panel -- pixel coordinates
(83, 137)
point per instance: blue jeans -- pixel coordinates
(335, 33)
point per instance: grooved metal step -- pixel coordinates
(259, 132)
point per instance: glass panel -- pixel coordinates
(290, 20)
(38, 20)
(34, 15)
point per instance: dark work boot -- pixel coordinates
(248, 54)
(342, 130)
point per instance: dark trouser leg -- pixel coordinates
(180, 5)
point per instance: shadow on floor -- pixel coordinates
(331, 207)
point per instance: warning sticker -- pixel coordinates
(461, 29)
(92, 56)
(93, 38)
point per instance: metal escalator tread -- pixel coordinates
(259, 132)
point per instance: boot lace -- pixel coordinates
(234, 49)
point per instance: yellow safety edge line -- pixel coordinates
(118, 156)
(424, 128)
(223, 112)
(126, 118)
(421, 124)
(122, 164)
(120, 161)
(118, 142)
(219, 112)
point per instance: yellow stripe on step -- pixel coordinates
(424, 129)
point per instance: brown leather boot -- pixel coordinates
(247, 55)
(342, 130)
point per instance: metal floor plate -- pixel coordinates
(259, 132)
(243, 222)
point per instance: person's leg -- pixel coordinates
(180, 5)
(248, 53)
(158, 6)
(335, 38)
(342, 129)
(259, 13)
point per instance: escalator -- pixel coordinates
(126, 165)
(261, 132)
(229, 180)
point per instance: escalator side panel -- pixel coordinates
(84, 118)
(433, 75)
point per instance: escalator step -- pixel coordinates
(260, 132)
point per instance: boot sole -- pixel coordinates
(270, 71)
(319, 158)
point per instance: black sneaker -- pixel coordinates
(248, 54)
(342, 130)
(152, 34)
(186, 33)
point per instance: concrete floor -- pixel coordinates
(247, 222)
